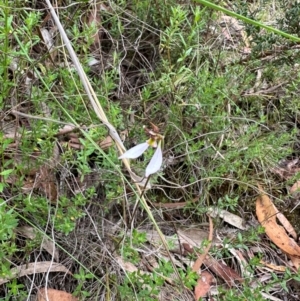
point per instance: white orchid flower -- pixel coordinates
(156, 160)
(135, 151)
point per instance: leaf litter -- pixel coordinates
(50, 294)
(34, 268)
(267, 213)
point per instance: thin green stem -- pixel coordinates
(5, 52)
(247, 20)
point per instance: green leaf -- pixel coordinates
(6, 172)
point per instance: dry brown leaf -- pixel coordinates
(270, 297)
(66, 129)
(193, 236)
(286, 224)
(203, 285)
(272, 213)
(266, 215)
(47, 182)
(243, 263)
(34, 268)
(75, 140)
(201, 257)
(296, 262)
(223, 271)
(277, 268)
(28, 184)
(126, 265)
(228, 217)
(280, 238)
(106, 143)
(296, 187)
(47, 37)
(48, 41)
(50, 294)
(131, 268)
(287, 169)
(46, 179)
(181, 243)
(46, 244)
(265, 209)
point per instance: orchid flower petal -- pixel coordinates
(155, 162)
(135, 151)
